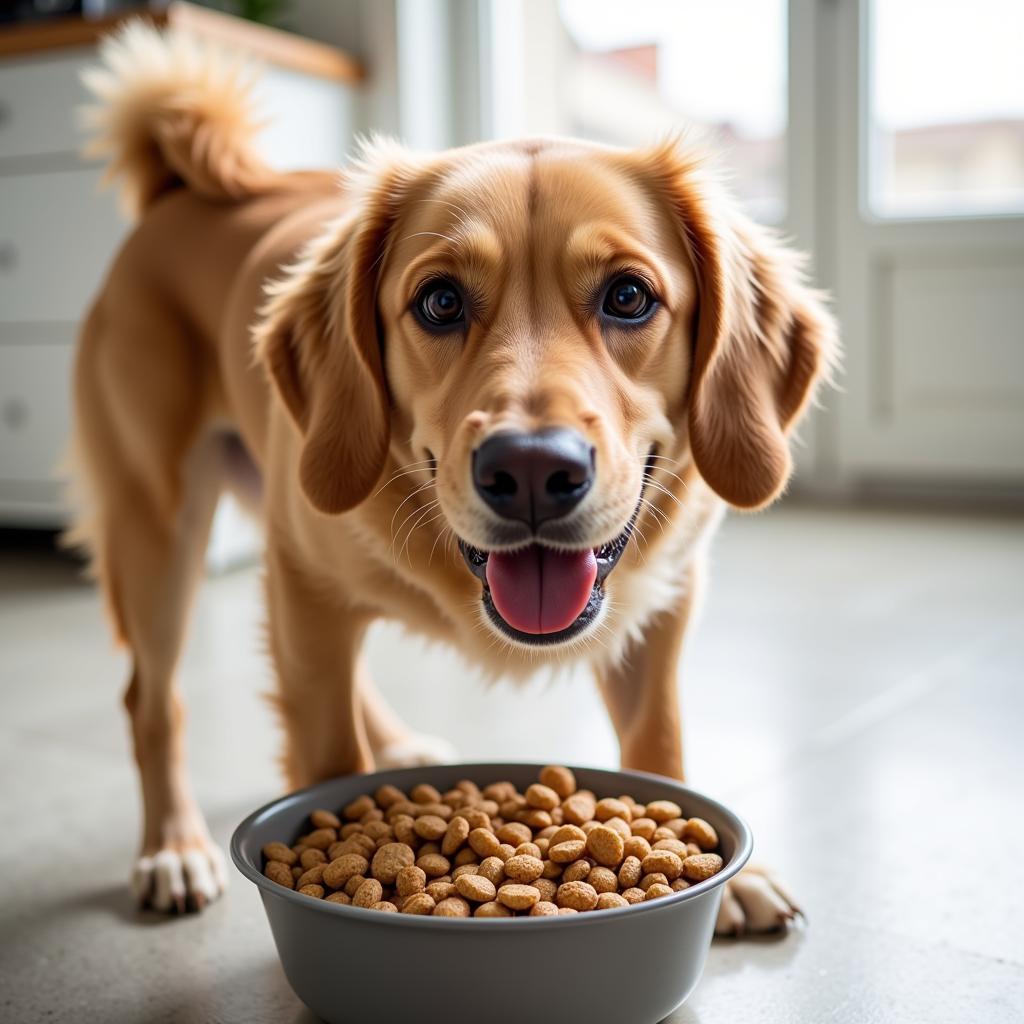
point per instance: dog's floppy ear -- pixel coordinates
(763, 338)
(318, 339)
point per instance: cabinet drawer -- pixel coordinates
(38, 103)
(57, 236)
(35, 410)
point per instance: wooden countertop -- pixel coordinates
(266, 44)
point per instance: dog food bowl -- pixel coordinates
(630, 965)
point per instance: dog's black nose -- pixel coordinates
(534, 477)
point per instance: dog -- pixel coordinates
(500, 394)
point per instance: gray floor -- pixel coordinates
(854, 689)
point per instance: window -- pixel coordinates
(946, 107)
(632, 73)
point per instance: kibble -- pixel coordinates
(551, 851)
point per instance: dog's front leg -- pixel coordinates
(315, 638)
(642, 695)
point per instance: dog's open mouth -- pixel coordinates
(539, 595)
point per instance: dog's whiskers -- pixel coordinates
(408, 497)
(420, 508)
(661, 487)
(407, 470)
(416, 525)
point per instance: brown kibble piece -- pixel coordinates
(278, 871)
(698, 831)
(603, 880)
(656, 891)
(612, 808)
(339, 897)
(578, 809)
(387, 795)
(634, 895)
(630, 872)
(419, 903)
(677, 846)
(340, 870)
(524, 868)
(310, 858)
(354, 810)
(454, 906)
(314, 876)
(386, 905)
(484, 842)
(455, 835)
(389, 860)
(644, 827)
(324, 819)
(475, 888)
(565, 853)
(439, 890)
(560, 779)
(546, 887)
(492, 909)
(434, 864)
(516, 896)
(701, 866)
(281, 853)
(493, 869)
(663, 810)
(606, 846)
(577, 871)
(321, 838)
(424, 793)
(514, 833)
(664, 862)
(542, 797)
(370, 892)
(352, 885)
(577, 896)
(544, 908)
(610, 900)
(430, 827)
(637, 846)
(655, 878)
(565, 834)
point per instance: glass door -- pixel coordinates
(929, 241)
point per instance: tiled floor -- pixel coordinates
(856, 690)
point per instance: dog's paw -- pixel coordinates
(175, 880)
(415, 750)
(754, 903)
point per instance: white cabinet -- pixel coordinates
(59, 231)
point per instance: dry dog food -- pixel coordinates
(496, 852)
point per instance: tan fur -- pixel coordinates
(276, 307)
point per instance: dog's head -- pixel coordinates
(545, 330)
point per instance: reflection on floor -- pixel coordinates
(854, 690)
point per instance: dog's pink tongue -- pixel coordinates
(537, 590)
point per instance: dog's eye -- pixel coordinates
(439, 304)
(626, 299)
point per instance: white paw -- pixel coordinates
(754, 902)
(417, 749)
(178, 880)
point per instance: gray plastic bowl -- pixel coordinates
(632, 965)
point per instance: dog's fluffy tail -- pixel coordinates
(172, 112)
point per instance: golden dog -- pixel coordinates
(544, 366)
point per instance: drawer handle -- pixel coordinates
(8, 256)
(14, 414)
